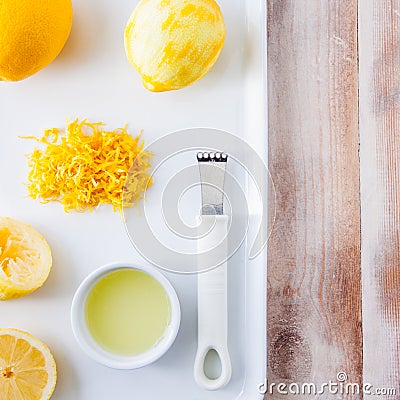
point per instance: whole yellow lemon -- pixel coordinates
(32, 34)
(173, 43)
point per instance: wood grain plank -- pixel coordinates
(379, 38)
(314, 277)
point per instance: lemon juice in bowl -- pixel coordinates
(125, 316)
(127, 312)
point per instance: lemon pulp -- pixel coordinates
(27, 368)
(127, 312)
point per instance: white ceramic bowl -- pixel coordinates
(94, 350)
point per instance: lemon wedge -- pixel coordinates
(27, 367)
(25, 259)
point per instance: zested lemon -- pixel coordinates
(27, 368)
(173, 43)
(32, 34)
(25, 259)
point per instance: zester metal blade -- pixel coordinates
(212, 167)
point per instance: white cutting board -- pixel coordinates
(92, 78)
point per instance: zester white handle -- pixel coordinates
(213, 304)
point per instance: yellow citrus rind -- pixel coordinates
(174, 43)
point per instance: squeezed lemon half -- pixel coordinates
(27, 367)
(25, 259)
(173, 43)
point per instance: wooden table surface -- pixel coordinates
(334, 156)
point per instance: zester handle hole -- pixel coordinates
(212, 365)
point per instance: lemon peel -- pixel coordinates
(174, 43)
(89, 166)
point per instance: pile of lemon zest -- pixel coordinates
(89, 166)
